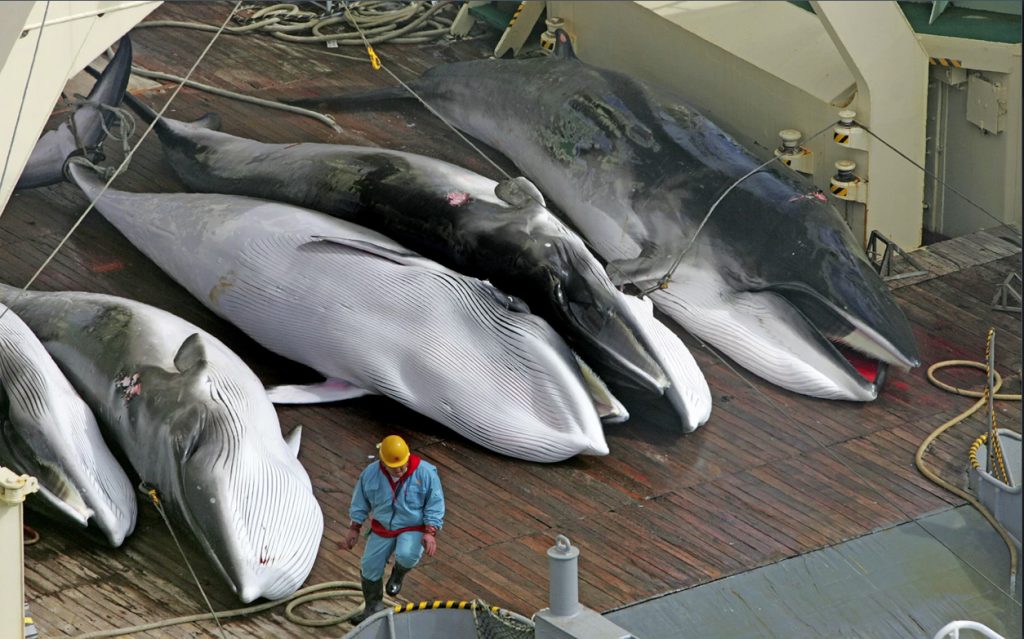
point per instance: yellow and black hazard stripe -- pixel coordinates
(839, 191)
(439, 605)
(946, 62)
(841, 138)
(515, 16)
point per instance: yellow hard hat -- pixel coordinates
(394, 452)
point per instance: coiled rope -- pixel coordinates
(983, 398)
(381, 21)
(373, 22)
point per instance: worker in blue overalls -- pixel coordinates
(404, 494)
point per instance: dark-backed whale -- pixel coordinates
(500, 232)
(47, 431)
(196, 424)
(775, 279)
(90, 123)
(370, 315)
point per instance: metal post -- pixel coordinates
(563, 566)
(13, 489)
(994, 449)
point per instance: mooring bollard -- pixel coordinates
(566, 617)
(563, 566)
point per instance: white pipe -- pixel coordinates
(13, 489)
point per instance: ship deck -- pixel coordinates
(772, 475)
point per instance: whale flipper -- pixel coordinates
(331, 390)
(395, 254)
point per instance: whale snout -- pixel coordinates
(258, 518)
(556, 409)
(602, 329)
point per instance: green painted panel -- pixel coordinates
(958, 22)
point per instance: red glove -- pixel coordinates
(429, 544)
(352, 538)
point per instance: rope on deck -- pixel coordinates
(382, 21)
(983, 399)
(349, 590)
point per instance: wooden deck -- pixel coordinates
(772, 475)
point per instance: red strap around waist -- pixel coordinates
(379, 529)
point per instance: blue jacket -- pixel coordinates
(417, 500)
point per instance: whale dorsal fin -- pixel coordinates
(518, 192)
(294, 439)
(563, 46)
(398, 255)
(209, 121)
(191, 354)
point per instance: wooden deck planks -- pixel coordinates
(770, 476)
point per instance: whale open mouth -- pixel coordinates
(872, 370)
(865, 352)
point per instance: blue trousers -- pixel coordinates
(407, 548)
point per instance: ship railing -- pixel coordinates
(952, 630)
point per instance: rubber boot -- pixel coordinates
(398, 573)
(373, 595)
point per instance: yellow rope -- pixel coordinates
(931, 475)
(973, 452)
(995, 451)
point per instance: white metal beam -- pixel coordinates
(891, 69)
(31, 78)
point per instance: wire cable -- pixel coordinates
(377, 63)
(937, 178)
(664, 281)
(154, 497)
(124, 163)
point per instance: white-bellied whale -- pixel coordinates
(47, 431)
(775, 279)
(358, 307)
(499, 231)
(195, 423)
